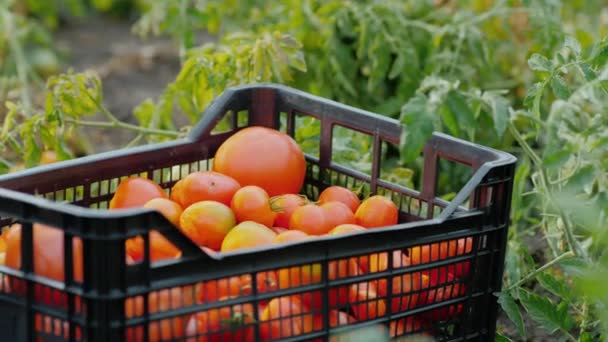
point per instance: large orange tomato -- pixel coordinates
(48, 261)
(135, 192)
(264, 157)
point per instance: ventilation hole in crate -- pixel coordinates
(283, 117)
(59, 196)
(69, 194)
(104, 187)
(392, 171)
(193, 167)
(352, 149)
(103, 205)
(94, 189)
(49, 196)
(114, 184)
(157, 176)
(166, 175)
(79, 192)
(451, 178)
(424, 209)
(225, 124)
(242, 118)
(308, 134)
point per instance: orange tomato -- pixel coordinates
(251, 203)
(340, 269)
(443, 250)
(442, 288)
(135, 192)
(310, 219)
(264, 157)
(206, 186)
(177, 191)
(247, 234)
(160, 301)
(160, 248)
(284, 206)
(408, 325)
(301, 276)
(285, 317)
(207, 223)
(377, 211)
(365, 303)
(227, 323)
(341, 194)
(212, 290)
(346, 229)
(48, 262)
(290, 236)
(337, 213)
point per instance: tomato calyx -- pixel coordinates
(278, 208)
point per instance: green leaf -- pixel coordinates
(397, 67)
(557, 159)
(574, 266)
(538, 62)
(586, 337)
(534, 92)
(500, 113)
(501, 338)
(459, 107)
(574, 45)
(586, 69)
(559, 87)
(418, 121)
(449, 120)
(507, 303)
(541, 310)
(556, 286)
(582, 177)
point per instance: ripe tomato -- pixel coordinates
(340, 194)
(337, 213)
(285, 317)
(247, 234)
(378, 262)
(442, 288)
(290, 236)
(48, 262)
(168, 329)
(310, 219)
(340, 269)
(284, 206)
(160, 248)
(264, 157)
(336, 318)
(408, 325)
(443, 250)
(212, 290)
(346, 229)
(50, 326)
(177, 191)
(251, 203)
(228, 323)
(207, 223)
(377, 211)
(206, 186)
(135, 192)
(364, 302)
(301, 276)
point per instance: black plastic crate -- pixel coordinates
(153, 301)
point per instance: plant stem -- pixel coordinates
(120, 124)
(568, 254)
(22, 69)
(573, 244)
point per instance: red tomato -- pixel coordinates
(340, 194)
(205, 186)
(310, 219)
(405, 327)
(168, 329)
(365, 303)
(443, 250)
(339, 295)
(337, 213)
(442, 288)
(284, 206)
(264, 157)
(211, 290)
(251, 203)
(135, 192)
(285, 317)
(301, 276)
(377, 211)
(228, 323)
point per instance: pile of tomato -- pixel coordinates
(250, 199)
